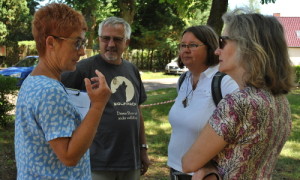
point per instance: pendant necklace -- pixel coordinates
(185, 101)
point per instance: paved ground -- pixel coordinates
(155, 84)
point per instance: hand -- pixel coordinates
(99, 91)
(145, 161)
(203, 174)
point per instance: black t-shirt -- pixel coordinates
(116, 144)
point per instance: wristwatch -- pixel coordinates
(144, 146)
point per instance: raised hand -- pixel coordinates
(99, 92)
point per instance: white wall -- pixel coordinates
(294, 53)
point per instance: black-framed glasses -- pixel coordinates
(79, 43)
(106, 39)
(190, 46)
(222, 41)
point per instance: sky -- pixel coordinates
(286, 8)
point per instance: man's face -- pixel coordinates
(113, 43)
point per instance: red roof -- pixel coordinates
(291, 25)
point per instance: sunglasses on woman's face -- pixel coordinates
(222, 41)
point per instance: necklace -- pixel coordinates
(185, 100)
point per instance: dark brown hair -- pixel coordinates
(208, 36)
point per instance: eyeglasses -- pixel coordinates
(190, 46)
(222, 41)
(106, 39)
(79, 43)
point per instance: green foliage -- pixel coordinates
(7, 89)
(27, 48)
(267, 1)
(12, 53)
(14, 20)
(297, 70)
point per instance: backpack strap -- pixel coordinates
(216, 87)
(181, 79)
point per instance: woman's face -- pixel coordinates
(193, 52)
(227, 52)
(68, 52)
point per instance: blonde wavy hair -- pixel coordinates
(262, 50)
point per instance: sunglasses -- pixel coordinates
(79, 43)
(222, 41)
(106, 39)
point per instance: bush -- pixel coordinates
(7, 87)
(297, 70)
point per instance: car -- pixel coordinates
(22, 69)
(172, 68)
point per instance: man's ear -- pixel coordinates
(127, 43)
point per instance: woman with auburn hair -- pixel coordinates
(51, 139)
(249, 128)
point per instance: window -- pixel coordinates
(298, 33)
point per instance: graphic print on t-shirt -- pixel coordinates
(118, 82)
(123, 92)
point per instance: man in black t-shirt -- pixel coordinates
(119, 149)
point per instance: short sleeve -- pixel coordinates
(226, 119)
(228, 86)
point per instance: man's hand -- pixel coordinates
(145, 161)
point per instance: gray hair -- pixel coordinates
(113, 21)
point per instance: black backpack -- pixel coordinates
(215, 86)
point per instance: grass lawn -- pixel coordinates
(158, 132)
(158, 75)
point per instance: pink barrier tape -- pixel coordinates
(159, 103)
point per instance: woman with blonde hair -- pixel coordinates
(249, 128)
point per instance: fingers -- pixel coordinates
(144, 169)
(100, 77)
(88, 85)
(144, 166)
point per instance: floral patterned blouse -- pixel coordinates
(256, 125)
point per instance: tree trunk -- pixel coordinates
(218, 8)
(91, 23)
(142, 59)
(127, 9)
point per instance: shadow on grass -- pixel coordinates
(287, 169)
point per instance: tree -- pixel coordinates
(218, 8)
(13, 19)
(267, 1)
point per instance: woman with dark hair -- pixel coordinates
(249, 128)
(194, 103)
(51, 138)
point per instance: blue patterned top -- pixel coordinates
(44, 113)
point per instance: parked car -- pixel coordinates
(22, 69)
(172, 68)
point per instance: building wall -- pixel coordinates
(294, 53)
